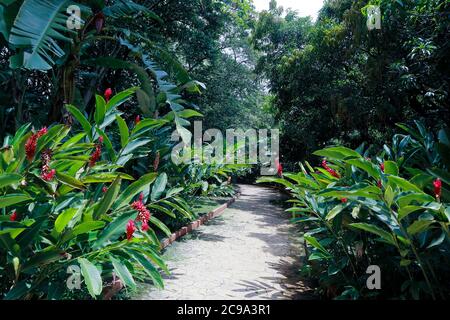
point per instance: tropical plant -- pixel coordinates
(390, 210)
(66, 200)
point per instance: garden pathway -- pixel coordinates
(250, 252)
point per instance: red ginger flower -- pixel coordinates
(344, 200)
(108, 94)
(330, 170)
(279, 167)
(131, 229)
(47, 174)
(13, 216)
(97, 154)
(137, 120)
(437, 188)
(382, 167)
(143, 212)
(30, 145)
(105, 189)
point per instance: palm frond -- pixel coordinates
(38, 27)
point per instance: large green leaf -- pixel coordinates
(335, 211)
(124, 8)
(81, 119)
(100, 109)
(18, 291)
(123, 129)
(134, 189)
(105, 177)
(108, 199)
(404, 184)
(115, 229)
(64, 218)
(386, 236)
(38, 27)
(120, 98)
(123, 273)
(92, 277)
(338, 153)
(313, 241)
(390, 167)
(159, 186)
(42, 258)
(11, 199)
(133, 145)
(149, 269)
(8, 179)
(83, 228)
(160, 225)
(70, 181)
(366, 166)
(419, 226)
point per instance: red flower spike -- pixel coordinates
(96, 155)
(137, 120)
(104, 189)
(330, 170)
(143, 213)
(344, 200)
(100, 139)
(108, 94)
(382, 167)
(437, 188)
(13, 216)
(48, 175)
(380, 184)
(145, 226)
(30, 145)
(131, 229)
(279, 167)
(42, 132)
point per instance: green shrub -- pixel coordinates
(390, 210)
(71, 200)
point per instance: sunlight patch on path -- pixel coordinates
(250, 252)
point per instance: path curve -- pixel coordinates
(250, 252)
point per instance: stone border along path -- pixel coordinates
(251, 251)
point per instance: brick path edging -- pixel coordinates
(198, 223)
(117, 286)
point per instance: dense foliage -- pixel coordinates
(388, 208)
(123, 44)
(99, 190)
(334, 81)
(87, 179)
(71, 199)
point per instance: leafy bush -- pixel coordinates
(390, 210)
(71, 199)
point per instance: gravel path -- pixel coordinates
(250, 252)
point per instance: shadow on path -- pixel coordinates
(251, 252)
